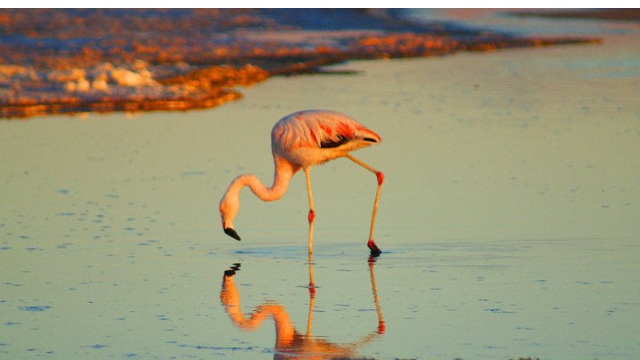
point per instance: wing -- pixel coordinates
(318, 129)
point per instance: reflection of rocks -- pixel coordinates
(67, 61)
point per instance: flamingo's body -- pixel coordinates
(299, 141)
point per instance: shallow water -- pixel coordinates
(508, 220)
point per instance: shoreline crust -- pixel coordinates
(200, 59)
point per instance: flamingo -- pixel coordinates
(299, 141)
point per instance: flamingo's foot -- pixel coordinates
(375, 250)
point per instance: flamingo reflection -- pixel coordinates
(291, 343)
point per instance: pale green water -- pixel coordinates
(508, 219)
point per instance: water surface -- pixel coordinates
(508, 220)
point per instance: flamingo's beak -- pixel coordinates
(231, 232)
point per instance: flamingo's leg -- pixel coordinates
(311, 217)
(312, 213)
(375, 250)
(312, 297)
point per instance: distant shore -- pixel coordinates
(74, 61)
(594, 14)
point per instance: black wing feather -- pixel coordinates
(334, 143)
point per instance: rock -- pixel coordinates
(100, 84)
(66, 75)
(124, 77)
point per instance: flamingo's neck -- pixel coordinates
(281, 178)
(283, 173)
(230, 203)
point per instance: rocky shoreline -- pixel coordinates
(75, 61)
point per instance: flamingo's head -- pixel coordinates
(229, 206)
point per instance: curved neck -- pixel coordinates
(230, 203)
(282, 176)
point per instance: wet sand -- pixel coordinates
(508, 221)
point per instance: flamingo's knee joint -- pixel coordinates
(312, 216)
(380, 177)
